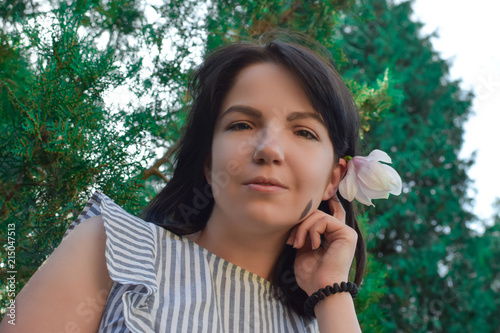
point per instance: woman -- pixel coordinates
(248, 229)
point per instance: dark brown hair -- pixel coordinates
(185, 204)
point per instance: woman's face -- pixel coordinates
(268, 128)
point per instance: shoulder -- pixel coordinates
(91, 230)
(70, 288)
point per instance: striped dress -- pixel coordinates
(167, 283)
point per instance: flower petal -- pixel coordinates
(396, 183)
(374, 176)
(361, 197)
(373, 194)
(379, 155)
(348, 186)
(368, 179)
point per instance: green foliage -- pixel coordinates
(11, 10)
(245, 19)
(174, 42)
(58, 141)
(373, 102)
(367, 303)
(62, 141)
(422, 237)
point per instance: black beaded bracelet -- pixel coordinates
(312, 300)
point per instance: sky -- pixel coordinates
(468, 38)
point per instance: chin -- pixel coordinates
(268, 219)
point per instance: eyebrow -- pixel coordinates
(253, 112)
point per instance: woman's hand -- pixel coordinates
(319, 265)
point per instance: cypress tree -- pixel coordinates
(422, 238)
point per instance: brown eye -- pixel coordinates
(308, 135)
(239, 127)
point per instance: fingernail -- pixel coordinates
(295, 243)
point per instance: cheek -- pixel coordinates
(306, 210)
(226, 163)
(232, 154)
(313, 178)
(315, 174)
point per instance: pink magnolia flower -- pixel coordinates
(368, 179)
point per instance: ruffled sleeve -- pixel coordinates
(130, 258)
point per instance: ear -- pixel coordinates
(337, 173)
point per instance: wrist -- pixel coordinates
(321, 294)
(337, 314)
(322, 306)
(323, 283)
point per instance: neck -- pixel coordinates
(255, 251)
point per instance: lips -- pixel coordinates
(265, 181)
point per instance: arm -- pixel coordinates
(336, 313)
(68, 292)
(318, 266)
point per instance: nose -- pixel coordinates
(269, 147)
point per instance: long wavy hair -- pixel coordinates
(185, 203)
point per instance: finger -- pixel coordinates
(316, 231)
(327, 226)
(336, 208)
(330, 227)
(303, 228)
(317, 224)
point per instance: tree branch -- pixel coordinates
(155, 169)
